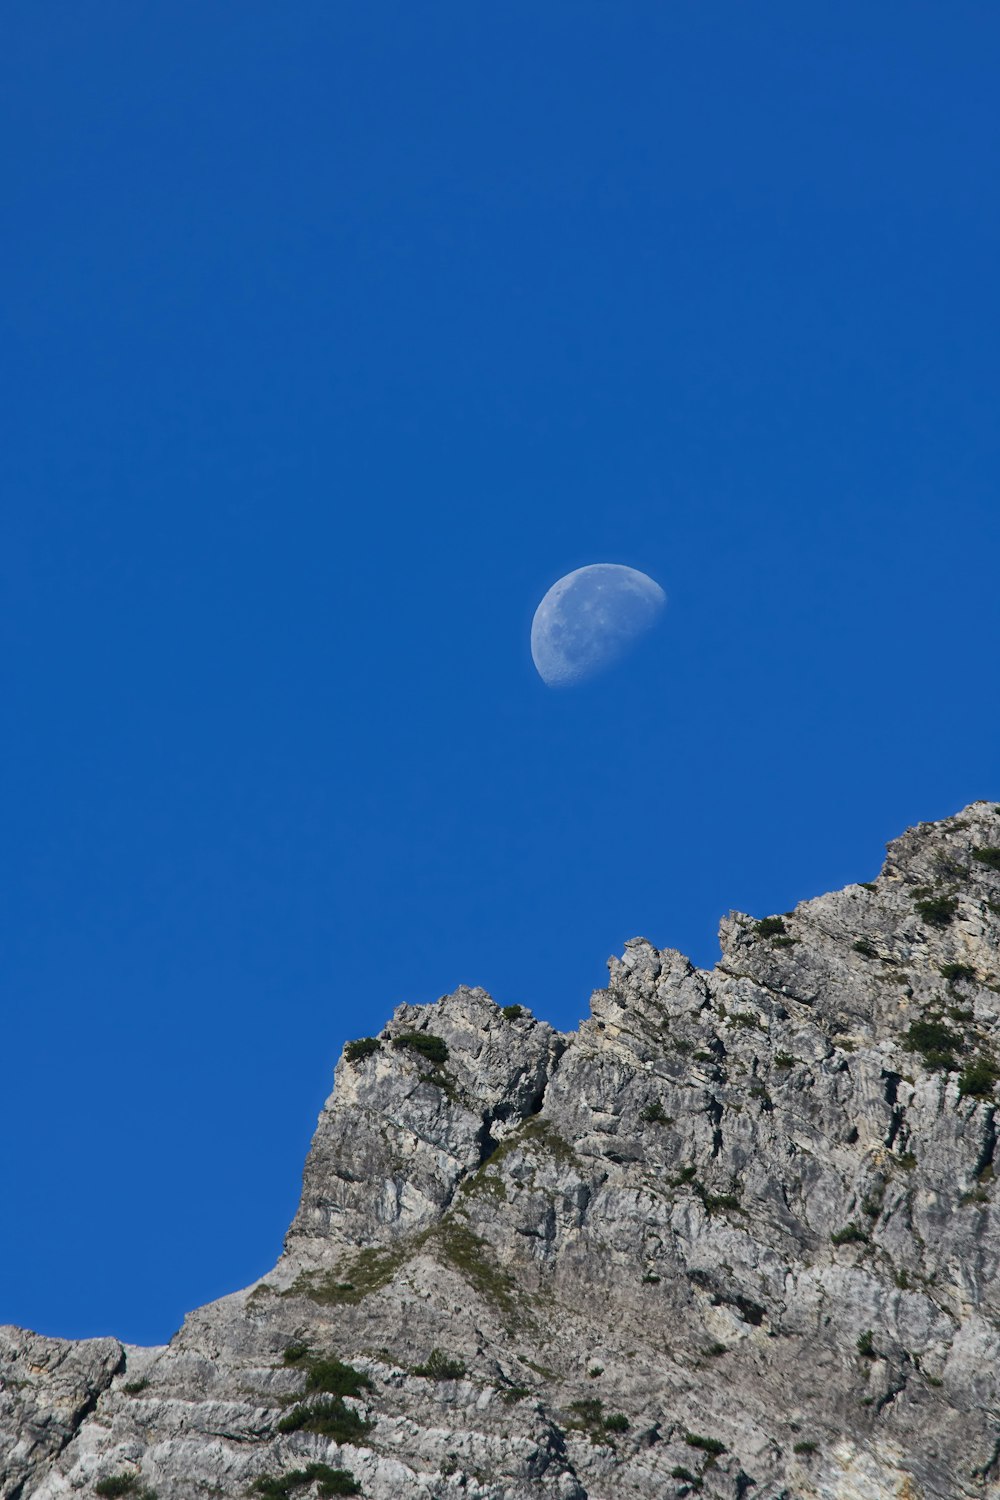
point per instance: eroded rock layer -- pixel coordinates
(738, 1235)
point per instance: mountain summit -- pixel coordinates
(736, 1236)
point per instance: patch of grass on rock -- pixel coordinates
(331, 1418)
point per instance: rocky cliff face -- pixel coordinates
(737, 1236)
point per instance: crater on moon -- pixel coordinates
(589, 620)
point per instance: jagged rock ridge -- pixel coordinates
(738, 1235)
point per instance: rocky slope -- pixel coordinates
(738, 1235)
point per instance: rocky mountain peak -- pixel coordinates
(736, 1235)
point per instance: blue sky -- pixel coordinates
(338, 333)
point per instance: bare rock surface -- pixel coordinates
(736, 1236)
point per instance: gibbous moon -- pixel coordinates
(589, 620)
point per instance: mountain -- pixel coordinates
(738, 1235)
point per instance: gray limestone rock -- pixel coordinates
(736, 1236)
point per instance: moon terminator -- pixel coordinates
(589, 619)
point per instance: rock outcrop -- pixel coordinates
(736, 1236)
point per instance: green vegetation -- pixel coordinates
(868, 885)
(865, 948)
(805, 1449)
(679, 1472)
(654, 1114)
(438, 1366)
(431, 1047)
(440, 1081)
(956, 973)
(512, 1012)
(990, 857)
(745, 1018)
(330, 1417)
(368, 1272)
(472, 1258)
(362, 1048)
(851, 1234)
(330, 1482)
(979, 1078)
(714, 1350)
(533, 1131)
(590, 1411)
(590, 1415)
(866, 1344)
(936, 1044)
(907, 1161)
(336, 1379)
(123, 1484)
(295, 1353)
(548, 1137)
(135, 1387)
(720, 1202)
(937, 911)
(771, 927)
(486, 1183)
(513, 1394)
(708, 1445)
(783, 1060)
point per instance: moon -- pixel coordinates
(590, 619)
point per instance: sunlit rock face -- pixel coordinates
(737, 1236)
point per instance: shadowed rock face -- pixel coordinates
(737, 1235)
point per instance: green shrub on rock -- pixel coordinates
(433, 1048)
(955, 973)
(935, 1042)
(439, 1367)
(771, 927)
(117, 1485)
(851, 1234)
(330, 1418)
(362, 1048)
(336, 1379)
(979, 1079)
(937, 911)
(708, 1445)
(330, 1482)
